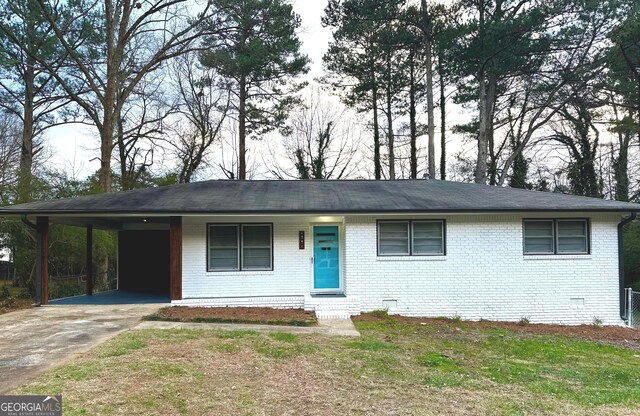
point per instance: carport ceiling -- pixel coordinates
(113, 223)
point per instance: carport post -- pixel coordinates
(42, 261)
(89, 287)
(175, 257)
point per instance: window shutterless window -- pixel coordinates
(415, 238)
(393, 238)
(572, 236)
(240, 247)
(556, 236)
(538, 237)
(256, 247)
(224, 244)
(427, 237)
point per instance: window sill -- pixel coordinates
(559, 257)
(411, 258)
(241, 273)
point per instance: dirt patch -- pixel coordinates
(10, 305)
(617, 335)
(267, 316)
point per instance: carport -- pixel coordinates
(149, 257)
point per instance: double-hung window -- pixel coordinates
(411, 238)
(556, 236)
(240, 247)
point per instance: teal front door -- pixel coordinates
(326, 258)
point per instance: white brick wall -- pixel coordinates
(285, 286)
(484, 274)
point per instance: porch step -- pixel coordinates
(328, 307)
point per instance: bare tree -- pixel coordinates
(139, 129)
(322, 145)
(115, 61)
(202, 109)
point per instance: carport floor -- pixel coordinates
(112, 297)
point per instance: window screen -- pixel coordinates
(240, 247)
(538, 237)
(428, 237)
(572, 236)
(393, 238)
(256, 247)
(223, 247)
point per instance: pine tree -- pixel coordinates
(257, 51)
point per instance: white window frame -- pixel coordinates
(239, 228)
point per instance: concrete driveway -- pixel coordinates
(37, 339)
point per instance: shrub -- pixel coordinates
(380, 313)
(8, 302)
(524, 321)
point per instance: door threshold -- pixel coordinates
(328, 295)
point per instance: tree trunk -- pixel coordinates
(376, 132)
(106, 146)
(26, 153)
(412, 119)
(242, 130)
(519, 168)
(122, 152)
(390, 135)
(621, 169)
(391, 144)
(480, 173)
(443, 123)
(431, 129)
(109, 100)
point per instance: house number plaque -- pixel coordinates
(301, 240)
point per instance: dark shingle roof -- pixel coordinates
(349, 196)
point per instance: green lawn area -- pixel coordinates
(394, 368)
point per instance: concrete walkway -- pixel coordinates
(330, 327)
(34, 340)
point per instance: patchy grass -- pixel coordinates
(122, 345)
(396, 367)
(284, 336)
(235, 315)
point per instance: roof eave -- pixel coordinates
(307, 212)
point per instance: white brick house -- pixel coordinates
(420, 248)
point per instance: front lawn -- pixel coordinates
(396, 367)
